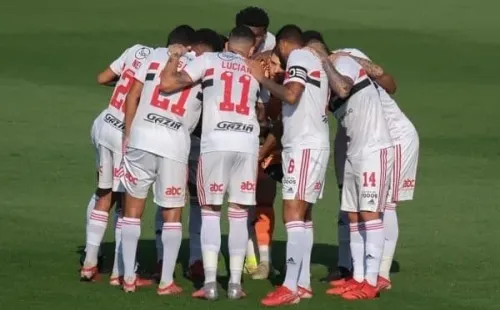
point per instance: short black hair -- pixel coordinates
(242, 32)
(209, 38)
(252, 16)
(182, 34)
(313, 35)
(290, 33)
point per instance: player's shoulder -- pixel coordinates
(354, 52)
(139, 51)
(304, 57)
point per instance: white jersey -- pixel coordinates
(230, 94)
(132, 59)
(268, 44)
(399, 125)
(163, 123)
(305, 124)
(361, 114)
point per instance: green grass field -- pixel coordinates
(444, 54)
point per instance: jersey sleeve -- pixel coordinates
(347, 67)
(117, 65)
(140, 75)
(196, 68)
(297, 67)
(357, 53)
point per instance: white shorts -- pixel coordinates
(169, 176)
(366, 181)
(304, 174)
(110, 169)
(231, 172)
(405, 170)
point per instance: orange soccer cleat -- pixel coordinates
(383, 284)
(304, 293)
(280, 297)
(171, 289)
(130, 286)
(342, 289)
(339, 282)
(362, 291)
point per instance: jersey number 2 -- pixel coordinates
(122, 89)
(226, 104)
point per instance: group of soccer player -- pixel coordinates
(207, 116)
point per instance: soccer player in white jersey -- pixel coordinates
(229, 148)
(262, 215)
(367, 172)
(406, 147)
(154, 123)
(109, 139)
(258, 21)
(305, 155)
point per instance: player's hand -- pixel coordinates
(262, 56)
(177, 49)
(256, 69)
(124, 144)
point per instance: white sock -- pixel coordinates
(391, 233)
(194, 231)
(90, 207)
(357, 232)
(264, 253)
(343, 233)
(172, 238)
(98, 220)
(210, 243)
(131, 232)
(305, 269)
(158, 234)
(294, 253)
(374, 247)
(237, 242)
(118, 261)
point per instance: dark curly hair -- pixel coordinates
(252, 16)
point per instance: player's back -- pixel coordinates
(230, 94)
(126, 66)
(306, 123)
(398, 122)
(163, 122)
(361, 114)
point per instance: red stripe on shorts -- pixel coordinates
(304, 168)
(200, 183)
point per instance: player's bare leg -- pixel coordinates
(237, 243)
(210, 248)
(171, 237)
(294, 212)
(304, 289)
(98, 221)
(131, 231)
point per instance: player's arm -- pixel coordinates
(131, 104)
(107, 77)
(338, 82)
(387, 82)
(172, 80)
(372, 69)
(272, 139)
(289, 93)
